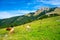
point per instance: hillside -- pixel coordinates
(45, 29)
(20, 20)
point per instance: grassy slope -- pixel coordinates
(45, 29)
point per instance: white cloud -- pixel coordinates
(7, 14)
(52, 2)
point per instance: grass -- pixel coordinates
(45, 29)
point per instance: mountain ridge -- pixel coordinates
(19, 20)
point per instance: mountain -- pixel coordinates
(39, 14)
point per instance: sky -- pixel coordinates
(10, 8)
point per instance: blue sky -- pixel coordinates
(10, 8)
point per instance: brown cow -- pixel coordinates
(10, 29)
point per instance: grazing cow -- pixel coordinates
(10, 29)
(28, 27)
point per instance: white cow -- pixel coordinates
(11, 31)
(28, 28)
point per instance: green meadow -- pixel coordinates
(44, 29)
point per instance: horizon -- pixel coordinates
(11, 8)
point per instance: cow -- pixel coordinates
(10, 29)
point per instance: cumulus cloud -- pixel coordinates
(7, 14)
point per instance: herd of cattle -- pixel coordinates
(11, 29)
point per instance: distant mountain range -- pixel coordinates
(39, 14)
